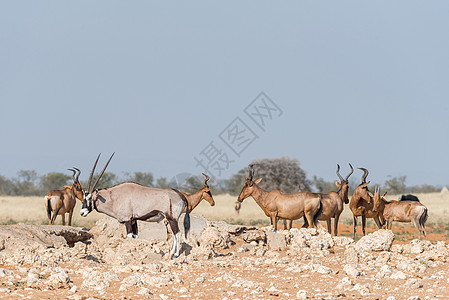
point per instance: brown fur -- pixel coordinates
(333, 202)
(403, 211)
(60, 202)
(202, 194)
(277, 205)
(361, 204)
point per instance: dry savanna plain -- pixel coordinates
(240, 258)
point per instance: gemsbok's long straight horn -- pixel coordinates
(101, 174)
(89, 182)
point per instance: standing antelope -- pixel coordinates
(202, 194)
(277, 205)
(402, 211)
(333, 202)
(130, 202)
(361, 204)
(63, 201)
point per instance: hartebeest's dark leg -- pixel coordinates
(354, 220)
(329, 226)
(306, 223)
(363, 223)
(274, 221)
(336, 225)
(378, 223)
(70, 216)
(55, 214)
(288, 224)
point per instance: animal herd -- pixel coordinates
(130, 202)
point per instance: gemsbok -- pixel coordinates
(333, 202)
(362, 204)
(402, 211)
(60, 202)
(202, 194)
(277, 205)
(130, 202)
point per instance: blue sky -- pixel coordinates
(157, 82)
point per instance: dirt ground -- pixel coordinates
(240, 274)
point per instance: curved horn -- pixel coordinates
(89, 182)
(352, 171)
(365, 174)
(102, 172)
(73, 175)
(205, 179)
(77, 176)
(338, 173)
(251, 171)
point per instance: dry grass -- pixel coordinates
(437, 204)
(31, 210)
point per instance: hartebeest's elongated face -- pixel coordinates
(91, 194)
(343, 185)
(206, 193)
(76, 186)
(249, 186)
(248, 189)
(377, 198)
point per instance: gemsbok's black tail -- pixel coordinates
(187, 216)
(186, 220)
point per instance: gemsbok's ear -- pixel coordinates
(384, 194)
(258, 180)
(337, 184)
(371, 195)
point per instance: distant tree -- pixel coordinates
(6, 186)
(234, 184)
(424, 188)
(282, 173)
(54, 181)
(322, 186)
(217, 186)
(143, 178)
(162, 183)
(107, 180)
(25, 184)
(396, 185)
(193, 184)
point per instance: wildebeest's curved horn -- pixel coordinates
(338, 173)
(205, 179)
(77, 176)
(102, 172)
(73, 175)
(89, 182)
(365, 174)
(352, 171)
